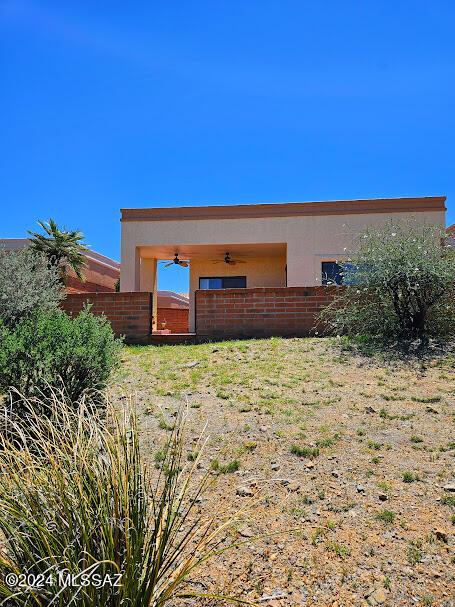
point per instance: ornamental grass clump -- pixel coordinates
(399, 286)
(84, 523)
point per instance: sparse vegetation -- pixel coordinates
(401, 286)
(302, 451)
(386, 516)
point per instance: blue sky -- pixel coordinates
(111, 104)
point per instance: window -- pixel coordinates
(223, 282)
(332, 273)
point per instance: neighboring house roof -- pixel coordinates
(101, 272)
(14, 244)
(451, 229)
(288, 209)
(171, 299)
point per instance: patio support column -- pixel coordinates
(130, 269)
(300, 271)
(148, 282)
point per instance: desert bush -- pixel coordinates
(75, 496)
(27, 283)
(48, 349)
(400, 286)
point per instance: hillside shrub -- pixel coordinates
(49, 349)
(400, 285)
(81, 502)
(27, 284)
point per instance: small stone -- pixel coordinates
(192, 364)
(449, 486)
(263, 428)
(309, 466)
(360, 489)
(275, 466)
(377, 596)
(244, 491)
(383, 497)
(246, 532)
(335, 473)
(370, 410)
(431, 410)
(441, 535)
(293, 486)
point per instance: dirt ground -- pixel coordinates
(350, 453)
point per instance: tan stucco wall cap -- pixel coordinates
(288, 209)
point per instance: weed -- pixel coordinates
(414, 552)
(429, 399)
(409, 477)
(416, 439)
(448, 500)
(360, 431)
(338, 549)
(374, 445)
(227, 468)
(310, 452)
(386, 516)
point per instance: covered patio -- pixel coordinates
(213, 267)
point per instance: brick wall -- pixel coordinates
(130, 314)
(265, 311)
(176, 319)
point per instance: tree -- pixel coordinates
(63, 248)
(27, 284)
(400, 284)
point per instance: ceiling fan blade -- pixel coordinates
(184, 264)
(171, 263)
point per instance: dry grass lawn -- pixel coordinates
(351, 453)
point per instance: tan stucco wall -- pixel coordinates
(259, 272)
(309, 241)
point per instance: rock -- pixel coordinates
(293, 486)
(275, 466)
(335, 473)
(431, 410)
(246, 532)
(263, 428)
(450, 487)
(441, 535)
(192, 364)
(285, 481)
(244, 491)
(370, 410)
(383, 497)
(377, 597)
(360, 489)
(309, 466)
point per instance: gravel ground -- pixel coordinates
(340, 461)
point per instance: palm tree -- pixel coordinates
(63, 248)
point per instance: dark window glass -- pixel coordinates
(234, 282)
(223, 282)
(332, 273)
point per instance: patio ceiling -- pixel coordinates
(243, 251)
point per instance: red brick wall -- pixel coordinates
(130, 314)
(176, 319)
(264, 311)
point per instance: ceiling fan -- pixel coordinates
(176, 261)
(228, 259)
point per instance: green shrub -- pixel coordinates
(27, 284)
(51, 350)
(400, 286)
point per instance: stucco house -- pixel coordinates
(101, 272)
(243, 255)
